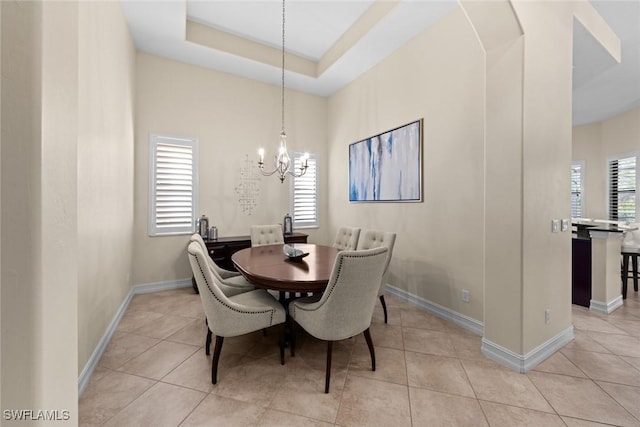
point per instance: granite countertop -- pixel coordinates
(584, 226)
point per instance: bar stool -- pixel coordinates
(627, 254)
(630, 251)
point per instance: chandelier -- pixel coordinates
(282, 161)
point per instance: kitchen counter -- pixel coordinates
(596, 264)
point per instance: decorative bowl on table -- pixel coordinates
(293, 254)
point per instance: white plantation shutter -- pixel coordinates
(304, 193)
(172, 185)
(577, 190)
(623, 181)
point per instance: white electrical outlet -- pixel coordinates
(565, 225)
(547, 315)
(465, 295)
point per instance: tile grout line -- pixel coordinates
(614, 399)
(349, 373)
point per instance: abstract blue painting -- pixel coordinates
(387, 167)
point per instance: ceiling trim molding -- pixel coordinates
(210, 37)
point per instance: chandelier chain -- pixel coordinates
(283, 163)
(283, 66)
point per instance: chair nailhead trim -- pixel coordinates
(294, 306)
(271, 311)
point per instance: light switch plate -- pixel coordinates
(555, 225)
(565, 225)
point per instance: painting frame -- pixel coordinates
(387, 167)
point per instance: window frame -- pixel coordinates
(583, 204)
(313, 157)
(155, 139)
(611, 159)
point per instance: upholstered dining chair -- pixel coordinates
(235, 315)
(230, 282)
(345, 308)
(373, 239)
(346, 238)
(262, 235)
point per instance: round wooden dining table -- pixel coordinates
(269, 268)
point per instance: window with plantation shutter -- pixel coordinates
(173, 185)
(304, 193)
(623, 182)
(577, 190)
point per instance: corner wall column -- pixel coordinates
(528, 126)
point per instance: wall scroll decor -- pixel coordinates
(387, 167)
(248, 188)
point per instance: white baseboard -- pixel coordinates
(605, 308)
(161, 286)
(91, 364)
(524, 363)
(465, 322)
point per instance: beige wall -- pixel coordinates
(67, 192)
(231, 117)
(39, 195)
(0, 200)
(546, 256)
(20, 199)
(105, 170)
(438, 76)
(594, 144)
(57, 319)
(441, 246)
(503, 174)
(587, 147)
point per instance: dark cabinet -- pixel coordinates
(220, 250)
(581, 272)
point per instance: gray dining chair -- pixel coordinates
(262, 235)
(230, 282)
(373, 239)
(346, 238)
(229, 316)
(345, 307)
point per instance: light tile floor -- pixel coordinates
(430, 373)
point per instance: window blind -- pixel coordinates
(622, 189)
(576, 190)
(304, 193)
(173, 185)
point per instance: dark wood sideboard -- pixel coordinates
(221, 249)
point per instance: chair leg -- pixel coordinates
(282, 330)
(216, 359)
(634, 262)
(292, 335)
(624, 274)
(207, 344)
(384, 307)
(367, 336)
(328, 374)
